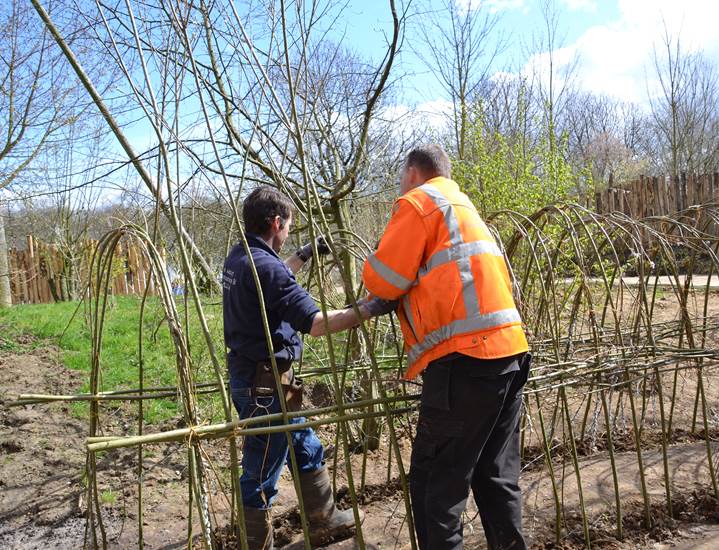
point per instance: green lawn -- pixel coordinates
(55, 324)
(65, 325)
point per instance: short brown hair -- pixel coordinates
(431, 160)
(260, 208)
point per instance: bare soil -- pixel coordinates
(42, 459)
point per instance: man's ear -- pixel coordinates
(415, 176)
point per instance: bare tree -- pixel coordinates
(555, 79)
(607, 138)
(28, 107)
(229, 99)
(458, 44)
(37, 101)
(685, 111)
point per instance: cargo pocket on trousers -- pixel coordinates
(435, 442)
(521, 376)
(435, 386)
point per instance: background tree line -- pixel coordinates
(209, 99)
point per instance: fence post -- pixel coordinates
(31, 276)
(15, 296)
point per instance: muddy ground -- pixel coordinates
(42, 500)
(42, 497)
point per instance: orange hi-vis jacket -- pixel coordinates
(456, 296)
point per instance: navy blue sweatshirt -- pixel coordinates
(290, 309)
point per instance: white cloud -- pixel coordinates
(434, 112)
(6, 197)
(616, 58)
(580, 5)
(503, 76)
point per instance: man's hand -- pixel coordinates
(322, 246)
(377, 306)
(305, 252)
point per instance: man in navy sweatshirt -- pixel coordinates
(267, 216)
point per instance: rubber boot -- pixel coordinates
(324, 518)
(258, 527)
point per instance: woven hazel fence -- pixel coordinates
(658, 195)
(45, 272)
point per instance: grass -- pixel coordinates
(9, 344)
(108, 497)
(54, 324)
(66, 326)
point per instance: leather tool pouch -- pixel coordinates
(293, 394)
(264, 384)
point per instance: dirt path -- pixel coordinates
(41, 488)
(699, 282)
(42, 497)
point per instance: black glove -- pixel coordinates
(378, 306)
(305, 252)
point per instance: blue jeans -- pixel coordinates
(263, 456)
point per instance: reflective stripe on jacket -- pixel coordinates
(439, 257)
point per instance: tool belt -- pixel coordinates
(264, 384)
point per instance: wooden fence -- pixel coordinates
(658, 196)
(43, 273)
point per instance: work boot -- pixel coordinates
(258, 527)
(324, 517)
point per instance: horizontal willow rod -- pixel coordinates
(572, 372)
(231, 429)
(291, 414)
(392, 365)
(33, 399)
(582, 370)
(609, 332)
(155, 389)
(604, 386)
(617, 370)
(149, 393)
(577, 373)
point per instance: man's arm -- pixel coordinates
(295, 263)
(337, 321)
(290, 302)
(392, 269)
(342, 319)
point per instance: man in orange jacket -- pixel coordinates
(464, 334)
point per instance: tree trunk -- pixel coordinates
(5, 294)
(371, 425)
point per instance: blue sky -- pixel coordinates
(365, 21)
(613, 39)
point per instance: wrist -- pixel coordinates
(304, 253)
(365, 312)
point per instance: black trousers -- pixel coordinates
(468, 437)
